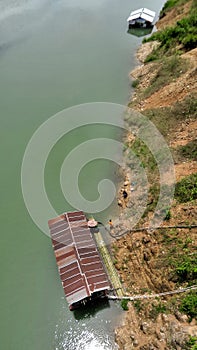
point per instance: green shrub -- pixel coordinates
(183, 33)
(186, 268)
(138, 305)
(154, 55)
(192, 343)
(189, 305)
(124, 304)
(186, 189)
(115, 261)
(190, 41)
(135, 83)
(167, 215)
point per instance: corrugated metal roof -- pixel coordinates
(79, 263)
(143, 13)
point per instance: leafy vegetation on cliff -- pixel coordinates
(189, 305)
(186, 268)
(183, 35)
(192, 343)
(186, 189)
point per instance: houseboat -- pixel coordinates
(141, 18)
(80, 267)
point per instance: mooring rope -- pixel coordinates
(147, 296)
(144, 229)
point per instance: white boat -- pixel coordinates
(142, 17)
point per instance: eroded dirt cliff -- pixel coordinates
(149, 262)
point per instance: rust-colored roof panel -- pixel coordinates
(72, 214)
(74, 286)
(58, 245)
(101, 285)
(69, 267)
(92, 267)
(87, 251)
(79, 263)
(94, 273)
(67, 276)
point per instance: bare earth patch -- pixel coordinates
(185, 133)
(142, 259)
(185, 169)
(176, 91)
(171, 93)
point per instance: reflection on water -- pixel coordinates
(84, 339)
(90, 310)
(140, 31)
(88, 328)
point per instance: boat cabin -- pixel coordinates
(141, 18)
(80, 267)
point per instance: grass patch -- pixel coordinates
(188, 151)
(171, 68)
(166, 118)
(189, 305)
(186, 189)
(143, 152)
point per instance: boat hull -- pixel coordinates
(88, 301)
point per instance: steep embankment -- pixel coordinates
(166, 92)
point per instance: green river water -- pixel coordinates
(54, 54)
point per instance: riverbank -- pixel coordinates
(166, 92)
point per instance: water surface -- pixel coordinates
(53, 54)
